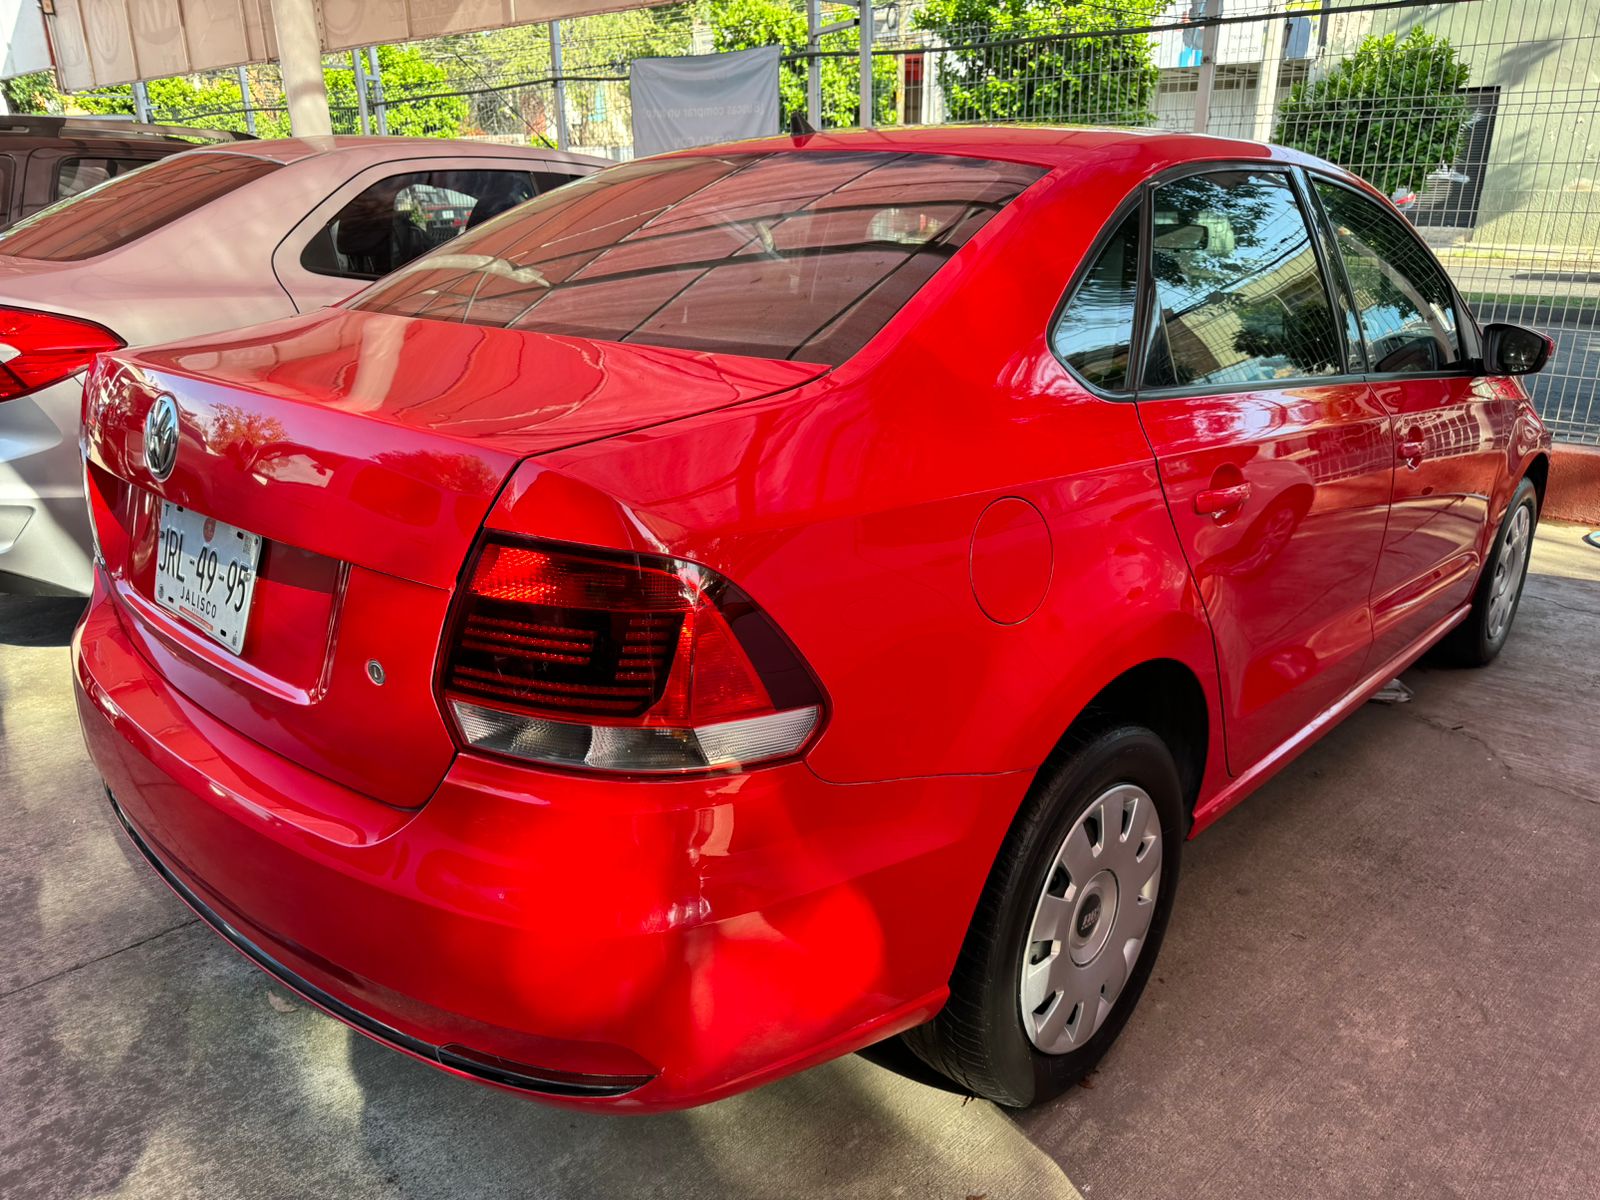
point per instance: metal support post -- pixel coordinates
(247, 101)
(561, 85)
(379, 108)
(866, 121)
(358, 65)
(1209, 38)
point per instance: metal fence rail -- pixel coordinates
(1482, 117)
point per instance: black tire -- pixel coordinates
(1478, 640)
(978, 1040)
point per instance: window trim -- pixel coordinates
(1134, 200)
(1467, 331)
(1330, 263)
(9, 174)
(1314, 231)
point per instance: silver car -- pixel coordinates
(206, 240)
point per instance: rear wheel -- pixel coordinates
(1069, 923)
(1478, 639)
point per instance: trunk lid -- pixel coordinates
(365, 450)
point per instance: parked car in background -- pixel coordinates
(769, 598)
(210, 239)
(45, 159)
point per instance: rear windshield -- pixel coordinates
(129, 206)
(801, 255)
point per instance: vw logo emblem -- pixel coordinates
(161, 436)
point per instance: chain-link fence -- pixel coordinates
(1480, 117)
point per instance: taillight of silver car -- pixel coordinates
(617, 662)
(38, 349)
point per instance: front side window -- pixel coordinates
(800, 255)
(126, 207)
(76, 175)
(1402, 298)
(1239, 295)
(1095, 333)
(399, 218)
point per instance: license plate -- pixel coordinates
(206, 572)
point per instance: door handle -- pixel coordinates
(1411, 448)
(1220, 501)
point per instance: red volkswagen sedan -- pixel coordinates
(761, 600)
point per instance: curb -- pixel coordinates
(1574, 490)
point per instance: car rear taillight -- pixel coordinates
(621, 662)
(38, 349)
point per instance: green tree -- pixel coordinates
(1011, 60)
(746, 24)
(1392, 112)
(406, 72)
(214, 101)
(33, 93)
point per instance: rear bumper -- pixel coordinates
(630, 945)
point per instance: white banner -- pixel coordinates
(22, 45)
(703, 98)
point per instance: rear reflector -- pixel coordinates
(716, 747)
(621, 662)
(38, 349)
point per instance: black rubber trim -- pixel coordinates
(488, 1067)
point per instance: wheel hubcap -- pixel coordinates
(1508, 569)
(1091, 920)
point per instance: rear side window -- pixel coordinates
(1239, 296)
(1401, 296)
(77, 175)
(403, 216)
(1095, 332)
(129, 206)
(780, 255)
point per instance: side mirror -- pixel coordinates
(1513, 350)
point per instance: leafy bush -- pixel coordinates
(1101, 80)
(1392, 112)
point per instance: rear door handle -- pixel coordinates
(1411, 447)
(1219, 501)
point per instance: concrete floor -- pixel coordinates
(1382, 979)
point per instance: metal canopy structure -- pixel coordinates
(97, 43)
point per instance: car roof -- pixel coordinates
(35, 128)
(357, 151)
(1047, 146)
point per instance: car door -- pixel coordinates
(1273, 454)
(388, 215)
(1451, 427)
